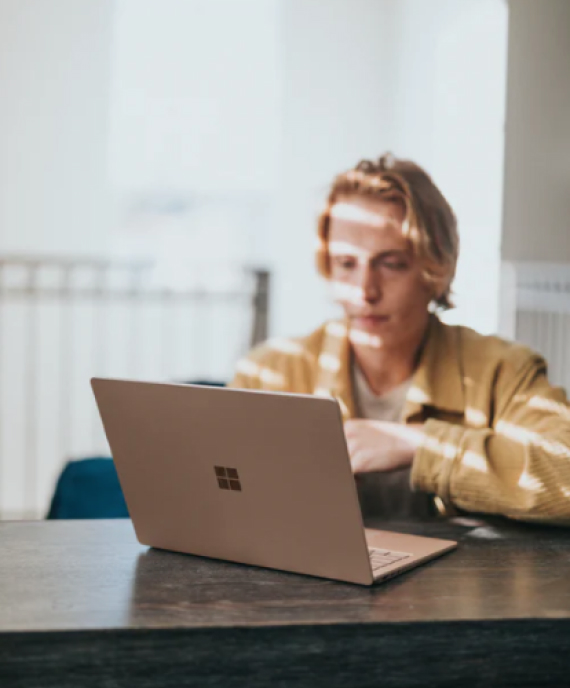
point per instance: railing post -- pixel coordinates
(260, 327)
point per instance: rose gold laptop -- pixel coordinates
(259, 478)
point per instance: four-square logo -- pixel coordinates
(228, 478)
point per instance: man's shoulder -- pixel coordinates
(282, 352)
(490, 349)
(284, 362)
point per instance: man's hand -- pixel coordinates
(380, 445)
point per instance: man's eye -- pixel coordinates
(394, 264)
(344, 262)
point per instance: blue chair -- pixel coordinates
(88, 488)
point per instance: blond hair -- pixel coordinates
(429, 223)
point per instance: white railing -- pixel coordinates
(535, 310)
(63, 321)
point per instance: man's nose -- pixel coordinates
(369, 285)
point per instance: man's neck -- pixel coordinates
(385, 369)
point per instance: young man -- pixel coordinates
(437, 418)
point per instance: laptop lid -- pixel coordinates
(247, 476)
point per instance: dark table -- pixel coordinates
(83, 604)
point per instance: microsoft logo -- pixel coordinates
(228, 478)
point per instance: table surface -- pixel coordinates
(71, 586)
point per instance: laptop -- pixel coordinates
(254, 477)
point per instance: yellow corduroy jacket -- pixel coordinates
(497, 434)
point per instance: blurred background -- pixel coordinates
(162, 163)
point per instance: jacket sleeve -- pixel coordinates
(519, 467)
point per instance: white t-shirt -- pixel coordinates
(386, 495)
(387, 406)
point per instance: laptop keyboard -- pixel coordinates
(380, 558)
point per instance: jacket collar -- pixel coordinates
(437, 382)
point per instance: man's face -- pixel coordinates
(375, 275)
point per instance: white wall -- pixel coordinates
(195, 95)
(450, 109)
(54, 85)
(537, 152)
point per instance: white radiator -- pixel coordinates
(64, 321)
(535, 310)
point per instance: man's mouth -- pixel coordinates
(369, 318)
